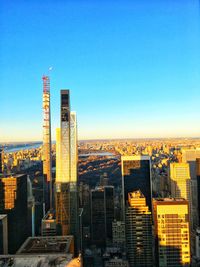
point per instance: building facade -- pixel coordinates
(136, 175)
(47, 161)
(139, 239)
(13, 196)
(102, 214)
(66, 170)
(172, 232)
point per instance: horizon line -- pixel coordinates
(105, 139)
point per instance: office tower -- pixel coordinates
(136, 175)
(139, 238)
(180, 181)
(48, 226)
(118, 233)
(3, 234)
(171, 225)
(66, 169)
(190, 156)
(13, 196)
(47, 163)
(102, 214)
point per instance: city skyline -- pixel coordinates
(132, 68)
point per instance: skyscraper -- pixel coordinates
(66, 169)
(3, 234)
(13, 196)
(136, 175)
(180, 181)
(102, 214)
(73, 175)
(171, 224)
(139, 239)
(63, 165)
(190, 156)
(47, 163)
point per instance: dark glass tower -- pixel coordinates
(13, 196)
(136, 175)
(102, 214)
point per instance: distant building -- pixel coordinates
(139, 238)
(172, 232)
(181, 183)
(180, 180)
(190, 156)
(118, 233)
(116, 262)
(49, 245)
(13, 195)
(136, 175)
(48, 227)
(57, 251)
(102, 214)
(3, 234)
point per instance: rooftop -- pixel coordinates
(43, 245)
(35, 260)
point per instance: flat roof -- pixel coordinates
(135, 157)
(3, 216)
(46, 245)
(170, 200)
(34, 260)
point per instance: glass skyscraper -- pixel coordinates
(136, 175)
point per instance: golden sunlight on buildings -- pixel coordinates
(10, 187)
(172, 231)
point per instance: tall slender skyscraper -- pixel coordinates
(73, 175)
(63, 165)
(66, 169)
(136, 175)
(47, 164)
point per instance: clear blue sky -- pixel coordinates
(133, 67)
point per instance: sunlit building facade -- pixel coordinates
(139, 239)
(190, 156)
(47, 161)
(180, 180)
(66, 169)
(63, 161)
(172, 232)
